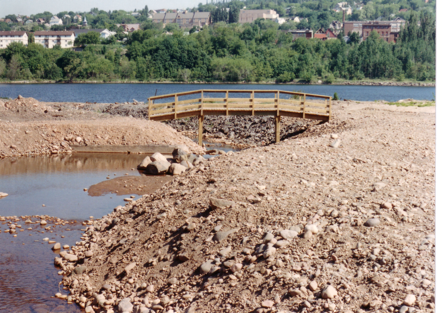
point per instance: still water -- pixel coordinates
(110, 93)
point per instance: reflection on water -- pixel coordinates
(28, 277)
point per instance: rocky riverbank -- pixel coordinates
(341, 219)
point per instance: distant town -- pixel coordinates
(237, 41)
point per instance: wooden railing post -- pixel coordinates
(200, 130)
(253, 102)
(277, 128)
(303, 108)
(149, 109)
(176, 105)
(202, 101)
(227, 103)
(277, 104)
(329, 108)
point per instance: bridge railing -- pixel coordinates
(284, 103)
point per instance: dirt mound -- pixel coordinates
(299, 226)
(25, 105)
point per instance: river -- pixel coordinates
(110, 93)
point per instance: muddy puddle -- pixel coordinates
(28, 278)
(73, 188)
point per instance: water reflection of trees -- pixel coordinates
(69, 163)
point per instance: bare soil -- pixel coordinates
(30, 127)
(168, 251)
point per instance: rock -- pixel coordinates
(220, 236)
(335, 143)
(288, 234)
(158, 167)
(172, 281)
(372, 222)
(101, 299)
(267, 303)
(89, 309)
(206, 267)
(281, 244)
(236, 267)
(410, 299)
(176, 169)
(71, 258)
(79, 270)
(403, 309)
(220, 203)
(378, 186)
(308, 235)
(313, 286)
(268, 237)
(88, 254)
(125, 306)
(78, 139)
(43, 222)
(329, 293)
(186, 164)
(45, 239)
(3, 195)
(56, 246)
(270, 251)
(129, 267)
(157, 156)
(144, 163)
(312, 228)
(386, 205)
(150, 288)
(198, 160)
(165, 300)
(144, 309)
(225, 251)
(334, 136)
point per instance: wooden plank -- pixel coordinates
(316, 110)
(159, 97)
(200, 129)
(161, 111)
(315, 104)
(196, 100)
(227, 103)
(277, 128)
(303, 108)
(175, 105)
(159, 105)
(150, 108)
(184, 108)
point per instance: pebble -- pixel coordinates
(329, 292)
(288, 234)
(43, 222)
(268, 237)
(372, 222)
(125, 306)
(172, 281)
(150, 288)
(308, 235)
(410, 299)
(267, 303)
(65, 246)
(313, 286)
(312, 228)
(219, 236)
(335, 143)
(3, 195)
(225, 251)
(46, 239)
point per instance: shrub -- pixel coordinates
(335, 97)
(330, 78)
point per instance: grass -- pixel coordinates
(418, 104)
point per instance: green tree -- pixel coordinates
(89, 38)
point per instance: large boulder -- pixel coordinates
(147, 160)
(176, 169)
(181, 153)
(158, 167)
(186, 164)
(157, 156)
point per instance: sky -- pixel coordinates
(28, 7)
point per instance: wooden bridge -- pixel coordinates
(281, 103)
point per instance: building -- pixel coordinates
(336, 25)
(29, 22)
(130, 27)
(85, 30)
(301, 34)
(78, 18)
(55, 21)
(49, 39)
(248, 16)
(106, 34)
(184, 20)
(389, 30)
(8, 37)
(325, 35)
(41, 21)
(85, 21)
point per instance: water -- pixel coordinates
(110, 93)
(28, 277)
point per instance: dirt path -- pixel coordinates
(29, 127)
(339, 219)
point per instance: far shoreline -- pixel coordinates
(338, 83)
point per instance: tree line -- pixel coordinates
(251, 52)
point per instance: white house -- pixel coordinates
(55, 21)
(106, 33)
(9, 37)
(49, 39)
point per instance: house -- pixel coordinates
(41, 21)
(78, 18)
(388, 30)
(19, 20)
(29, 22)
(336, 25)
(66, 16)
(85, 30)
(49, 39)
(8, 21)
(55, 21)
(106, 34)
(325, 35)
(161, 11)
(301, 34)
(279, 20)
(9, 37)
(343, 7)
(184, 20)
(248, 16)
(130, 27)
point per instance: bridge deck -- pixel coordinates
(302, 105)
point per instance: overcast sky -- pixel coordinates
(28, 7)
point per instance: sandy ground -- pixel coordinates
(30, 127)
(340, 218)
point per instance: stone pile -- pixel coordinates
(182, 160)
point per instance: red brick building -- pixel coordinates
(388, 30)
